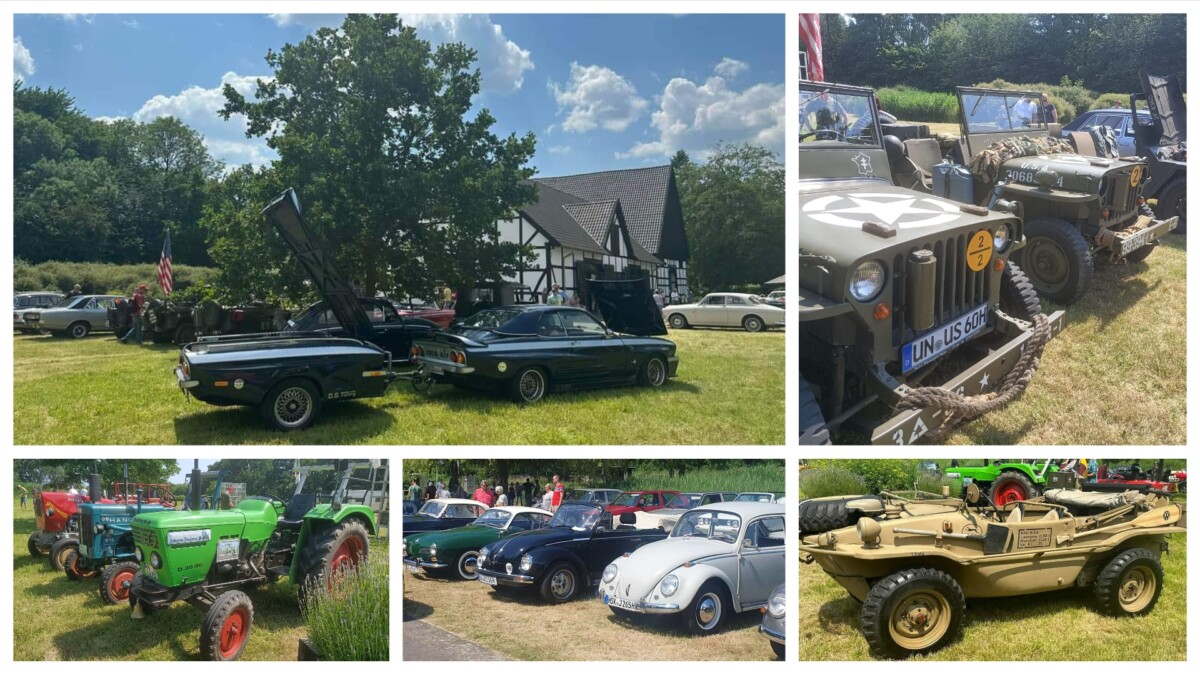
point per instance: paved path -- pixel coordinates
(426, 642)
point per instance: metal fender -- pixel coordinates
(692, 578)
(545, 556)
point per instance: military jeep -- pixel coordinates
(893, 282)
(1075, 207)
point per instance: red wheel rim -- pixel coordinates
(79, 571)
(346, 558)
(116, 586)
(233, 632)
(1009, 491)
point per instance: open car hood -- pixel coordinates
(1164, 98)
(284, 214)
(626, 305)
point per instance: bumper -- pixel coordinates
(411, 563)
(502, 579)
(772, 634)
(672, 366)
(184, 381)
(909, 426)
(639, 607)
(1142, 232)
(152, 593)
(434, 367)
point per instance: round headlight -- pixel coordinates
(137, 553)
(483, 554)
(669, 585)
(1001, 237)
(867, 280)
(433, 550)
(610, 573)
(156, 561)
(526, 562)
(777, 605)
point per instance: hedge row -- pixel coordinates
(103, 277)
(914, 105)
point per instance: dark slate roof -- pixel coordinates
(642, 192)
(594, 217)
(554, 220)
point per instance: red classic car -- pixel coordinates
(640, 500)
(442, 317)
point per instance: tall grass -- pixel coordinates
(764, 477)
(101, 277)
(914, 105)
(830, 482)
(348, 621)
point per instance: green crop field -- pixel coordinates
(56, 619)
(730, 390)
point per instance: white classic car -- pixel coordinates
(677, 505)
(719, 560)
(735, 310)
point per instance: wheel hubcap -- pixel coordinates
(1008, 492)
(119, 588)
(708, 611)
(654, 371)
(467, 567)
(1050, 268)
(1137, 589)
(561, 584)
(233, 632)
(531, 386)
(345, 559)
(920, 620)
(293, 406)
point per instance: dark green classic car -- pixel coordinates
(458, 548)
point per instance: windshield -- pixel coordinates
(496, 518)
(490, 319)
(627, 499)
(432, 509)
(718, 525)
(578, 517)
(990, 113)
(319, 316)
(753, 497)
(584, 496)
(833, 119)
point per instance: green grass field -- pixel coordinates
(56, 619)
(1058, 626)
(96, 391)
(765, 477)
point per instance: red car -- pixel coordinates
(442, 317)
(640, 500)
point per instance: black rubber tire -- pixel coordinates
(823, 515)
(1017, 477)
(59, 552)
(317, 557)
(1066, 238)
(886, 594)
(812, 421)
(79, 329)
(711, 589)
(1116, 573)
(110, 595)
(75, 571)
(469, 558)
(34, 549)
(780, 651)
(225, 606)
(536, 393)
(1140, 254)
(1172, 201)
(1018, 298)
(653, 372)
(572, 591)
(185, 334)
(678, 321)
(292, 385)
(753, 324)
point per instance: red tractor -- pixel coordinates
(57, 515)
(152, 493)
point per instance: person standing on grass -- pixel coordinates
(136, 303)
(658, 297)
(430, 491)
(24, 495)
(527, 491)
(414, 492)
(1047, 113)
(559, 493)
(482, 494)
(547, 503)
(501, 498)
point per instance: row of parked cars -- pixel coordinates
(699, 557)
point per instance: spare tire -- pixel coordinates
(833, 513)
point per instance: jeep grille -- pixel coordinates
(1119, 197)
(958, 289)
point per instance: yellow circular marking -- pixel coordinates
(979, 250)
(1135, 176)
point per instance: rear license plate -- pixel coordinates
(437, 370)
(618, 602)
(490, 581)
(411, 567)
(942, 339)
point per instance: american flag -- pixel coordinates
(810, 35)
(165, 278)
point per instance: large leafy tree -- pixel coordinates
(374, 128)
(734, 210)
(63, 473)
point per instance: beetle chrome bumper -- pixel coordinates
(772, 635)
(507, 579)
(639, 607)
(184, 381)
(409, 563)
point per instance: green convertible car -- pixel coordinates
(458, 548)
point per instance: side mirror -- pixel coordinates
(746, 543)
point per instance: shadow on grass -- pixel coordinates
(672, 624)
(415, 611)
(122, 637)
(60, 586)
(238, 424)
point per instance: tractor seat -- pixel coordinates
(297, 506)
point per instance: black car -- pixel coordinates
(389, 330)
(442, 514)
(526, 350)
(565, 558)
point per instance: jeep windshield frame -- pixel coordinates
(989, 115)
(832, 117)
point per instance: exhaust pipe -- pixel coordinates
(95, 492)
(194, 488)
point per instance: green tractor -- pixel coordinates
(206, 558)
(1006, 482)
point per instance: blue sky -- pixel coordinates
(599, 91)
(185, 469)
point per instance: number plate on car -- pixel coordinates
(942, 339)
(411, 567)
(490, 581)
(618, 602)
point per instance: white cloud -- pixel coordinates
(76, 18)
(132, 23)
(197, 106)
(694, 116)
(597, 97)
(23, 65)
(731, 68)
(109, 120)
(78, 46)
(559, 149)
(502, 63)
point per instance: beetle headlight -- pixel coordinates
(610, 573)
(526, 562)
(777, 605)
(156, 560)
(483, 555)
(669, 585)
(1001, 237)
(867, 280)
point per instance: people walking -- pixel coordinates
(136, 303)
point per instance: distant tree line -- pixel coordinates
(1102, 52)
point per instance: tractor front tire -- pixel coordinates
(1012, 486)
(35, 547)
(59, 552)
(332, 552)
(226, 627)
(115, 582)
(75, 568)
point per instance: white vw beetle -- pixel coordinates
(719, 559)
